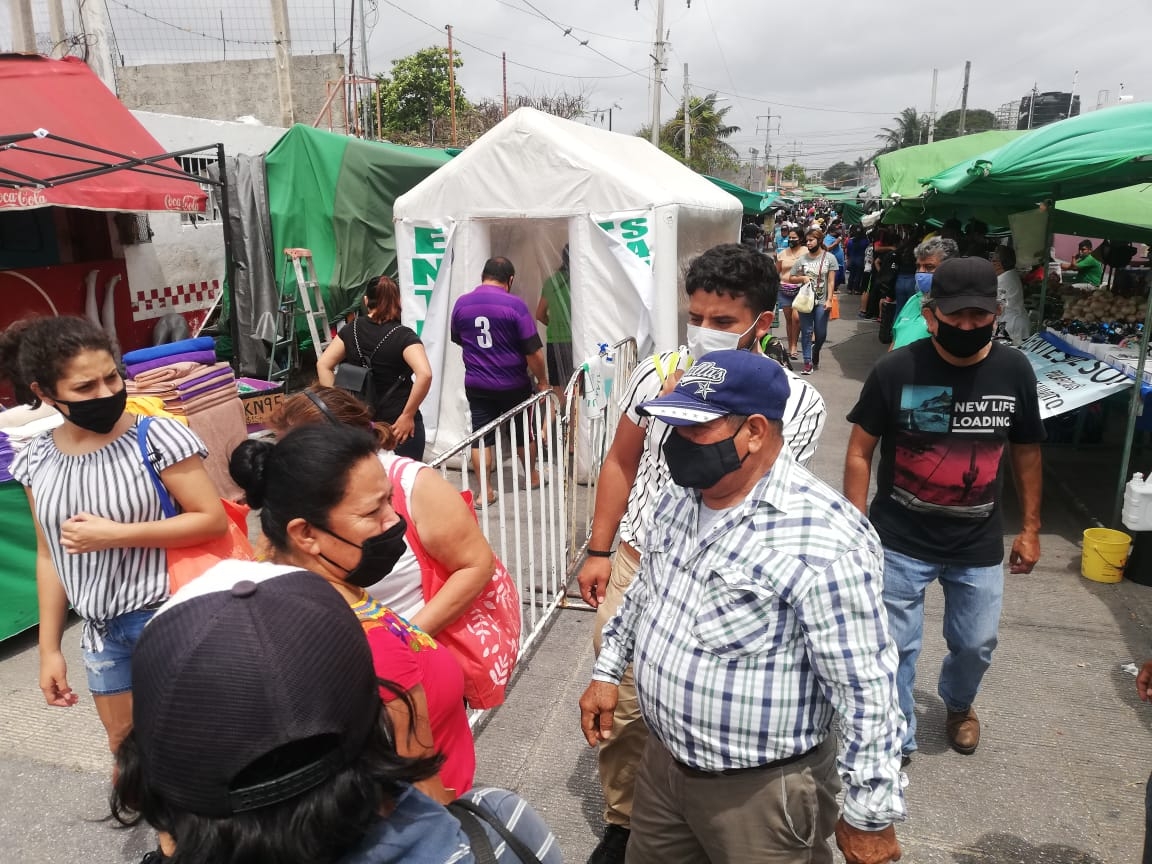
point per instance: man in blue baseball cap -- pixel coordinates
(755, 618)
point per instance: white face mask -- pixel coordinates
(703, 340)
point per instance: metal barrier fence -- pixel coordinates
(540, 532)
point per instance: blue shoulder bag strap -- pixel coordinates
(142, 440)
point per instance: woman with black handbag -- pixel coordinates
(397, 374)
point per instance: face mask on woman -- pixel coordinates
(378, 555)
(793, 242)
(96, 415)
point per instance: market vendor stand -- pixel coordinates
(70, 153)
(1087, 155)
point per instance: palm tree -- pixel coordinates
(710, 152)
(910, 128)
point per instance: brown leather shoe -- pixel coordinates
(963, 731)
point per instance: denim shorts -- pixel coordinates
(110, 669)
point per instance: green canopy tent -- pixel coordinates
(754, 203)
(900, 172)
(1084, 155)
(333, 194)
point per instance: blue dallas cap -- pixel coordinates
(723, 383)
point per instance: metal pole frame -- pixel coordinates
(229, 261)
(1135, 409)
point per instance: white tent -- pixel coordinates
(632, 216)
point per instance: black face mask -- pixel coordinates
(962, 343)
(378, 555)
(701, 466)
(98, 415)
(793, 243)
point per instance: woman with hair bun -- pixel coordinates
(326, 506)
(443, 524)
(101, 534)
(401, 374)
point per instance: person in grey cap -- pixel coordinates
(943, 410)
(260, 736)
(754, 619)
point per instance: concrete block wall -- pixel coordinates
(229, 89)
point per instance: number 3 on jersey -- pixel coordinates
(484, 336)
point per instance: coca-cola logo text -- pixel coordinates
(182, 203)
(23, 197)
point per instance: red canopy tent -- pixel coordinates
(67, 141)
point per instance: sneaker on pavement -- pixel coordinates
(612, 846)
(963, 729)
(807, 370)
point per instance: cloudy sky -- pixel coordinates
(830, 74)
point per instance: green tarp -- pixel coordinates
(333, 194)
(900, 171)
(1122, 214)
(1085, 155)
(18, 610)
(754, 203)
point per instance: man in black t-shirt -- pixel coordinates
(942, 411)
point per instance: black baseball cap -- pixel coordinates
(964, 283)
(241, 662)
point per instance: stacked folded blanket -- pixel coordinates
(191, 384)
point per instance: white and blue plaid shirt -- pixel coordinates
(747, 640)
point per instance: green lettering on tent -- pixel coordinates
(631, 229)
(607, 226)
(429, 241)
(640, 248)
(424, 270)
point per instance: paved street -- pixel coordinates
(1059, 777)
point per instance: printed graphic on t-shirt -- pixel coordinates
(947, 454)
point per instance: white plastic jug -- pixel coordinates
(1137, 512)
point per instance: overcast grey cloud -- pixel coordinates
(832, 74)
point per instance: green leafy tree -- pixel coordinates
(976, 120)
(415, 98)
(793, 172)
(711, 153)
(909, 129)
(840, 173)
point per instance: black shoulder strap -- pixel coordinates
(526, 855)
(477, 837)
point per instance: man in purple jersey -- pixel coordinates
(497, 334)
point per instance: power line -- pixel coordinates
(415, 17)
(797, 107)
(190, 31)
(567, 31)
(515, 8)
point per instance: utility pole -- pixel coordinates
(452, 82)
(1031, 105)
(56, 27)
(98, 37)
(23, 27)
(752, 165)
(658, 73)
(932, 108)
(504, 67)
(767, 118)
(964, 96)
(283, 37)
(365, 103)
(1072, 95)
(687, 118)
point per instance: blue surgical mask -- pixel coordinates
(923, 282)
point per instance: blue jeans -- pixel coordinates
(972, 599)
(905, 288)
(110, 669)
(816, 320)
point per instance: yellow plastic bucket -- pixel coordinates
(1105, 554)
